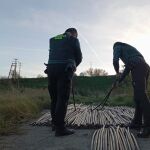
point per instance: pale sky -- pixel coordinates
(27, 25)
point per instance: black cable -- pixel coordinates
(102, 104)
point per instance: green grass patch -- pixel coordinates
(26, 102)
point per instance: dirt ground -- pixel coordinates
(42, 138)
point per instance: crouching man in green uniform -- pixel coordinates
(64, 56)
(134, 62)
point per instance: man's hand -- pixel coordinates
(117, 83)
(46, 71)
(70, 67)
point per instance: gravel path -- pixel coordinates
(42, 138)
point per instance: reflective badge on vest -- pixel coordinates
(59, 37)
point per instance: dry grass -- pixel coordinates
(18, 106)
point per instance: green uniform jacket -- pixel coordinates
(64, 49)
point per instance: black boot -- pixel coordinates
(145, 133)
(63, 131)
(53, 127)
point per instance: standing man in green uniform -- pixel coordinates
(134, 62)
(64, 56)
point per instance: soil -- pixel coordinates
(42, 138)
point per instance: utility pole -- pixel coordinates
(14, 72)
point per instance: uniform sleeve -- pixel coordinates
(116, 56)
(78, 53)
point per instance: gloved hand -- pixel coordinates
(70, 67)
(119, 76)
(46, 71)
(117, 82)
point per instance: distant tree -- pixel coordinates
(94, 72)
(90, 72)
(99, 72)
(39, 76)
(83, 74)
